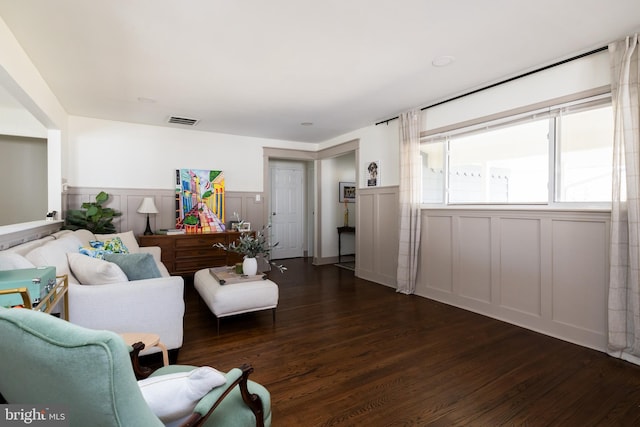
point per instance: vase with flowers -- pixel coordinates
(252, 245)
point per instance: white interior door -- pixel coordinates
(287, 209)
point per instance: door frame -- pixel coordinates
(314, 157)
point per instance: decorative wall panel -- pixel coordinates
(540, 269)
(578, 293)
(436, 248)
(520, 272)
(474, 258)
(377, 234)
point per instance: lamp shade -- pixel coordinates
(147, 206)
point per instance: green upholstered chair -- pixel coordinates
(48, 361)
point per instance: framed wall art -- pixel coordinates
(372, 173)
(347, 192)
(200, 200)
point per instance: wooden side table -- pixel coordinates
(149, 341)
(345, 229)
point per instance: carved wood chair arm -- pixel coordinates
(140, 371)
(253, 401)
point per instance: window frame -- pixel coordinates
(552, 112)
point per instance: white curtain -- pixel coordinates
(624, 277)
(410, 165)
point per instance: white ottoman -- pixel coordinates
(235, 298)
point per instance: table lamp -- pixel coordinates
(147, 207)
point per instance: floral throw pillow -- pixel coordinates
(98, 248)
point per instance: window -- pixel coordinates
(563, 154)
(585, 156)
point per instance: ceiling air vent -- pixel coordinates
(182, 121)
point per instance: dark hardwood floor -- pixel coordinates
(347, 352)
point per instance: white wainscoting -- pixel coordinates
(544, 270)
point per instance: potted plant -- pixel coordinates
(190, 224)
(251, 245)
(93, 216)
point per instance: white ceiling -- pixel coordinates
(262, 67)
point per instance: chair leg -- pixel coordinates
(218, 320)
(273, 312)
(173, 356)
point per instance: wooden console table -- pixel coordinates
(184, 254)
(345, 229)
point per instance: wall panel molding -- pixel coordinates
(544, 270)
(377, 234)
(127, 201)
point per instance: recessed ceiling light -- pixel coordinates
(306, 124)
(442, 61)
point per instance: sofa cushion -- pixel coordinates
(85, 236)
(54, 254)
(13, 261)
(135, 266)
(93, 271)
(174, 396)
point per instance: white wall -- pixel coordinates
(573, 77)
(16, 120)
(376, 143)
(111, 154)
(20, 78)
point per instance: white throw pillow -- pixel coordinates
(93, 271)
(174, 396)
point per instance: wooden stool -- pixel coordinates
(149, 341)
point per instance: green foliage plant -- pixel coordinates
(93, 216)
(252, 244)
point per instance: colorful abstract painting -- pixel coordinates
(200, 200)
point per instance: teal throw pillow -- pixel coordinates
(136, 266)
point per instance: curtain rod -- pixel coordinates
(546, 67)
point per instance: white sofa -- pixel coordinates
(149, 305)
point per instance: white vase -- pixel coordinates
(249, 266)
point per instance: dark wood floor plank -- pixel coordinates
(348, 352)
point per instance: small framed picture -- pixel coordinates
(347, 192)
(244, 226)
(372, 173)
